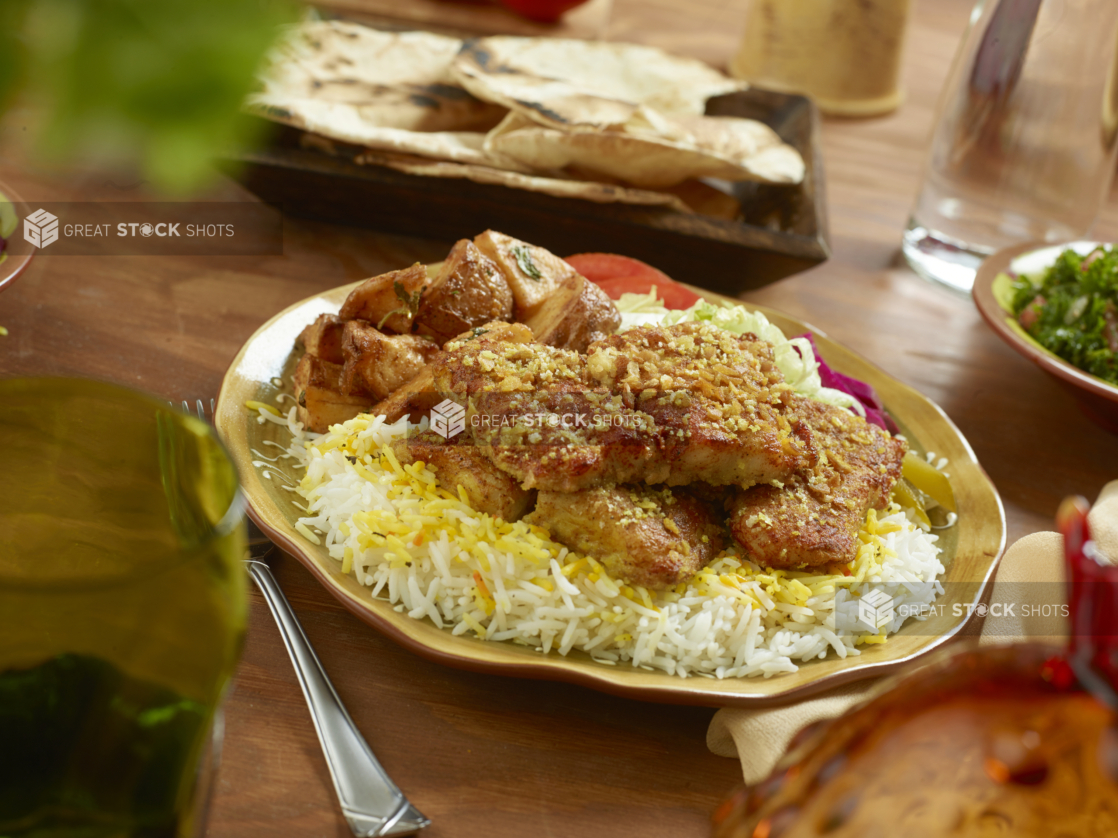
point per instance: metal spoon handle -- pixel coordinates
(370, 801)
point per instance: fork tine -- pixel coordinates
(256, 538)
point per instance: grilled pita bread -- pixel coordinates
(587, 190)
(585, 85)
(652, 151)
(389, 79)
(387, 90)
(608, 123)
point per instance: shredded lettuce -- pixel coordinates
(795, 357)
(641, 309)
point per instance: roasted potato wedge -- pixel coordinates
(459, 463)
(414, 399)
(377, 364)
(577, 314)
(323, 338)
(469, 290)
(388, 301)
(321, 395)
(533, 274)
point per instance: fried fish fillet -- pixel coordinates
(675, 405)
(651, 537)
(459, 464)
(814, 518)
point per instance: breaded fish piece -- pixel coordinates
(671, 405)
(814, 518)
(458, 463)
(719, 400)
(646, 536)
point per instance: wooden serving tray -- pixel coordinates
(784, 230)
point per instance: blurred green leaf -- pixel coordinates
(153, 83)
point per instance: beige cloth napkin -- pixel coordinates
(1032, 568)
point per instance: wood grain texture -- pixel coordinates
(479, 754)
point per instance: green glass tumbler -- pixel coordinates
(122, 610)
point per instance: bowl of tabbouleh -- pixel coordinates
(1057, 305)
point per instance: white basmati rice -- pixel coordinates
(428, 553)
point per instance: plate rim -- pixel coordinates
(551, 667)
(16, 263)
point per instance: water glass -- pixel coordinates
(1023, 145)
(122, 610)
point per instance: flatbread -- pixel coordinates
(388, 79)
(387, 90)
(601, 193)
(340, 122)
(585, 85)
(404, 99)
(653, 151)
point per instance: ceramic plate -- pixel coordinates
(1097, 398)
(263, 368)
(16, 256)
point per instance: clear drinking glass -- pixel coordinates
(122, 610)
(1024, 144)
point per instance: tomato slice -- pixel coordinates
(671, 293)
(547, 11)
(617, 275)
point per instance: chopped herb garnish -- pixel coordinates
(352, 459)
(525, 263)
(1072, 310)
(302, 398)
(410, 302)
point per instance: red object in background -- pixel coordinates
(617, 275)
(545, 11)
(1093, 600)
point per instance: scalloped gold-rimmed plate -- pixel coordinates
(263, 368)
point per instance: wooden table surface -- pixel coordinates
(492, 756)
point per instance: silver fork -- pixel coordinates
(370, 801)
